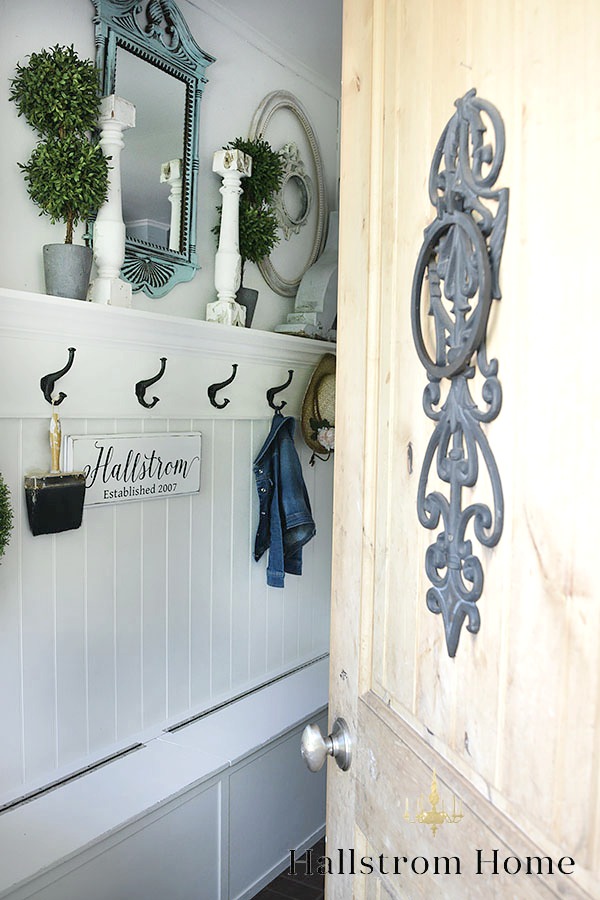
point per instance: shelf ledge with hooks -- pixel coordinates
(115, 346)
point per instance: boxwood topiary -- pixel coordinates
(67, 173)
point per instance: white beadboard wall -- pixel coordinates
(152, 611)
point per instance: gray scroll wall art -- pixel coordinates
(456, 278)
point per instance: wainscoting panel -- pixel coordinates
(153, 611)
(174, 854)
(208, 811)
(256, 786)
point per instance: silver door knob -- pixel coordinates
(316, 748)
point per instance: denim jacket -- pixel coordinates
(285, 522)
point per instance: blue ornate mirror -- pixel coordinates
(147, 55)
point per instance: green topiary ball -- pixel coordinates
(6, 516)
(57, 92)
(67, 177)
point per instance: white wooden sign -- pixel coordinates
(124, 467)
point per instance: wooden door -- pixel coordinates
(510, 724)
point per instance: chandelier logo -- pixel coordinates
(434, 817)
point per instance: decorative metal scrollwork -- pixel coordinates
(460, 260)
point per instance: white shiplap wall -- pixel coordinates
(151, 611)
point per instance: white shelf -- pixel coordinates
(25, 314)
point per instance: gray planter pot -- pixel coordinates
(67, 270)
(247, 297)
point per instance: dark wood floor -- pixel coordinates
(299, 886)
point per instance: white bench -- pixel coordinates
(207, 812)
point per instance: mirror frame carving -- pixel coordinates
(164, 41)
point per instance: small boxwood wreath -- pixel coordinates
(6, 516)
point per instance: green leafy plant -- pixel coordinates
(258, 224)
(67, 173)
(6, 516)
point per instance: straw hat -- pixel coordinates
(318, 405)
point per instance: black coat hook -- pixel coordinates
(48, 382)
(213, 388)
(142, 386)
(275, 390)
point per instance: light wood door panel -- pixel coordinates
(511, 723)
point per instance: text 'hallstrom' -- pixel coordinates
(483, 862)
